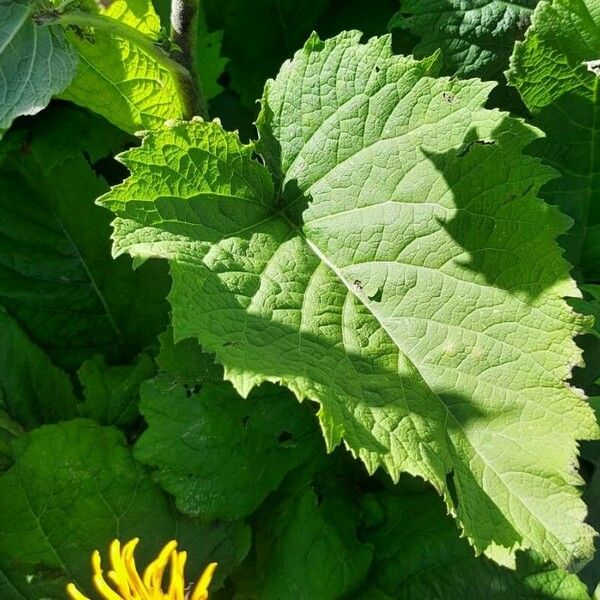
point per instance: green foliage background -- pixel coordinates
(385, 252)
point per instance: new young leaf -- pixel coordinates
(401, 271)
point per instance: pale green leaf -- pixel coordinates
(75, 487)
(35, 61)
(556, 72)
(122, 74)
(218, 454)
(402, 273)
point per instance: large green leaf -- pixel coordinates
(402, 273)
(35, 61)
(476, 37)
(57, 277)
(73, 488)
(32, 390)
(218, 454)
(556, 72)
(418, 554)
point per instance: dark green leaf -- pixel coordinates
(73, 488)
(112, 394)
(218, 454)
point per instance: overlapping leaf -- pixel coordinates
(556, 72)
(73, 488)
(476, 37)
(401, 272)
(218, 454)
(35, 61)
(123, 74)
(57, 277)
(419, 555)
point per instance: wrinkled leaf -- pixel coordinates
(476, 37)
(123, 74)
(553, 70)
(402, 273)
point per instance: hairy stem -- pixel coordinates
(184, 35)
(183, 78)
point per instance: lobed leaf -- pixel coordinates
(400, 271)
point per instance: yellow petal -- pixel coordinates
(177, 585)
(75, 593)
(119, 574)
(135, 581)
(103, 588)
(154, 571)
(201, 591)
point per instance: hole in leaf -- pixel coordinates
(376, 297)
(245, 421)
(285, 437)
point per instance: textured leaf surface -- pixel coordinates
(35, 62)
(119, 78)
(476, 37)
(218, 454)
(57, 277)
(32, 390)
(73, 488)
(112, 393)
(553, 69)
(419, 555)
(402, 273)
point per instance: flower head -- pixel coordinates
(126, 583)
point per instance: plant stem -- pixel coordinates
(184, 80)
(184, 35)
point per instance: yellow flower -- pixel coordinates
(128, 585)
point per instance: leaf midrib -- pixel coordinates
(330, 265)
